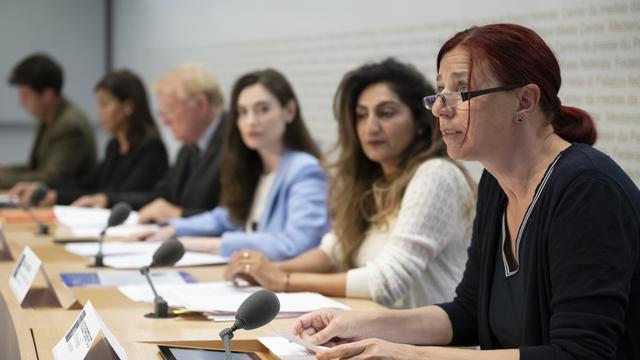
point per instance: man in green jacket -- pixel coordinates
(64, 151)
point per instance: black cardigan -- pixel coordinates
(139, 169)
(195, 191)
(579, 255)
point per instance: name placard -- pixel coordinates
(82, 336)
(24, 273)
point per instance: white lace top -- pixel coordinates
(418, 259)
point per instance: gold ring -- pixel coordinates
(245, 255)
(247, 268)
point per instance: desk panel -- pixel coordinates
(39, 324)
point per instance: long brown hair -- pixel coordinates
(361, 196)
(241, 166)
(124, 85)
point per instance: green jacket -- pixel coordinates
(63, 153)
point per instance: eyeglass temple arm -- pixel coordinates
(471, 94)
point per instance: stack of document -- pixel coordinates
(88, 222)
(220, 300)
(111, 248)
(136, 261)
(134, 255)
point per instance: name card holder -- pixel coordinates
(24, 274)
(88, 338)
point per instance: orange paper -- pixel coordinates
(19, 217)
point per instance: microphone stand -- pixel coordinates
(43, 229)
(255, 311)
(118, 215)
(160, 306)
(226, 335)
(99, 257)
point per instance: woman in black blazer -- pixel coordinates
(553, 269)
(135, 157)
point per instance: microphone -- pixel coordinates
(169, 253)
(256, 311)
(38, 194)
(119, 213)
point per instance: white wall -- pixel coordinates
(72, 31)
(315, 43)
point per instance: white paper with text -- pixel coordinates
(77, 342)
(24, 273)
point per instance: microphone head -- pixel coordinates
(38, 194)
(257, 310)
(119, 213)
(169, 253)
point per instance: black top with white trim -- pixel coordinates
(579, 259)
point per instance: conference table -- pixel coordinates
(30, 330)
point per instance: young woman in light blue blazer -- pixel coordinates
(274, 190)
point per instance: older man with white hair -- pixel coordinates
(191, 104)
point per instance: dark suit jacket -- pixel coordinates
(137, 170)
(195, 191)
(63, 152)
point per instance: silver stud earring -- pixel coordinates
(519, 119)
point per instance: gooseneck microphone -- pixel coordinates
(119, 213)
(256, 311)
(169, 253)
(38, 194)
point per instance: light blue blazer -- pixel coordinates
(294, 219)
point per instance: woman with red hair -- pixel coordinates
(553, 269)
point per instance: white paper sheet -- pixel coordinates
(136, 261)
(286, 350)
(223, 316)
(289, 347)
(116, 231)
(121, 278)
(144, 293)
(112, 248)
(296, 340)
(223, 299)
(8, 201)
(289, 302)
(73, 216)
